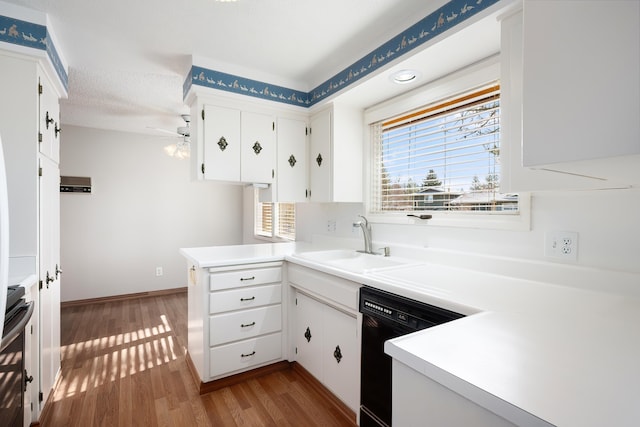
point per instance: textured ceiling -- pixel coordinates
(127, 60)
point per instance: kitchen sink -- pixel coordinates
(354, 261)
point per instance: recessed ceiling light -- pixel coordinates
(404, 76)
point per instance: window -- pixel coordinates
(275, 220)
(442, 157)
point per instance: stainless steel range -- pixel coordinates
(13, 376)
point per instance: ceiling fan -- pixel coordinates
(181, 148)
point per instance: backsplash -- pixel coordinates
(606, 221)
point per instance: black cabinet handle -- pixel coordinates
(48, 120)
(49, 279)
(337, 353)
(27, 379)
(248, 355)
(307, 334)
(247, 299)
(243, 325)
(242, 279)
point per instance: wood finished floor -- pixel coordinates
(123, 364)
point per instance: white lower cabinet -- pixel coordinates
(417, 398)
(244, 355)
(240, 325)
(341, 358)
(235, 318)
(327, 339)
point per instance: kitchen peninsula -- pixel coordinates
(527, 353)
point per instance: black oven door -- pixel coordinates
(12, 382)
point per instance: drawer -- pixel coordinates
(237, 299)
(249, 277)
(244, 354)
(240, 325)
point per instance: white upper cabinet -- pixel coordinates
(320, 168)
(335, 155)
(581, 88)
(239, 146)
(291, 173)
(221, 143)
(49, 118)
(258, 147)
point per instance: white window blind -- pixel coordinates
(443, 157)
(275, 220)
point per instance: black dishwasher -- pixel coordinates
(386, 316)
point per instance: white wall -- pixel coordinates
(143, 209)
(607, 223)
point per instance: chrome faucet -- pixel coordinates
(366, 232)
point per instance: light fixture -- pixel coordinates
(404, 76)
(180, 150)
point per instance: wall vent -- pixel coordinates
(75, 184)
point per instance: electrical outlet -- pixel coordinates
(561, 245)
(331, 226)
(355, 229)
(159, 271)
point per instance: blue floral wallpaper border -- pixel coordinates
(36, 36)
(434, 24)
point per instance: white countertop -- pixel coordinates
(528, 351)
(216, 256)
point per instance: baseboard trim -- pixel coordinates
(210, 386)
(124, 297)
(341, 408)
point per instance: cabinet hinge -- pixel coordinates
(31, 330)
(40, 285)
(307, 131)
(202, 114)
(40, 171)
(273, 173)
(39, 88)
(296, 350)
(39, 136)
(296, 301)
(273, 125)
(40, 397)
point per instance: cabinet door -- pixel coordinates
(258, 152)
(49, 251)
(292, 161)
(49, 119)
(341, 358)
(581, 87)
(515, 177)
(320, 172)
(308, 334)
(221, 143)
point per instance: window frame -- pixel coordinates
(275, 236)
(464, 80)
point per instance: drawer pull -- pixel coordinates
(247, 325)
(247, 299)
(248, 355)
(242, 279)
